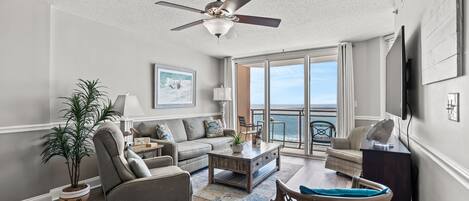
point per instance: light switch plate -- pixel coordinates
(452, 106)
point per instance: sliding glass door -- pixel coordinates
(323, 104)
(291, 98)
(287, 104)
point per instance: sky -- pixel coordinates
(287, 84)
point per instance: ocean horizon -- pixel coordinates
(292, 127)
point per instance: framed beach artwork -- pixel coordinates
(174, 87)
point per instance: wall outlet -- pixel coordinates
(452, 106)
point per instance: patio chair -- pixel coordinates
(322, 132)
(249, 129)
(286, 194)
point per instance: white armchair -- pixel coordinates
(345, 156)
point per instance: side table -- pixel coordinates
(154, 150)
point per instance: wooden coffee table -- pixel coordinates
(244, 170)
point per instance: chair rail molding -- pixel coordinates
(368, 117)
(46, 126)
(453, 168)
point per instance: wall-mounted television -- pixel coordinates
(396, 77)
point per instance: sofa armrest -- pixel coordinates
(229, 132)
(157, 162)
(340, 143)
(169, 149)
(174, 187)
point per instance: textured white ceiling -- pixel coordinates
(305, 23)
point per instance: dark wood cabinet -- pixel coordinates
(390, 167)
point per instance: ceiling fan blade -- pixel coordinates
(231, 6)
(188, 25)
(173, 5)
(263, 21)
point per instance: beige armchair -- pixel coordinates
(167, 183)
(345, 156)
(286, 194)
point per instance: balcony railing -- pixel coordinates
(292, 119)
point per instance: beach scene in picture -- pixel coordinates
(175, 88)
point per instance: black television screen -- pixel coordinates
(396, 89)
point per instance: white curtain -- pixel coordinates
(345, 90)
(228, 81)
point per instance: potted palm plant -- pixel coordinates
(238, 143)
(84, 111)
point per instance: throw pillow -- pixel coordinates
(137, 165)
(213, 128)
(343, 192)
(381, 131)
(164, 133)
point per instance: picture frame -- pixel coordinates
(174, 87)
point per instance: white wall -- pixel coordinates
(440, 147)
(368, 57)
(43, 52)
(123, 62)
(24, 62)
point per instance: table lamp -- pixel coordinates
(222, 95)
(127, 106)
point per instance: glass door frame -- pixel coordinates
(307, 54)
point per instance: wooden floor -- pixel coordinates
(312, 174)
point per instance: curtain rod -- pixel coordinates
(285, 52)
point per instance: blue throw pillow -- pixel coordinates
(343, 192)
(164, 133)
(213, 128)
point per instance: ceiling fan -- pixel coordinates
(222, 16)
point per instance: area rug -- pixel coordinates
(217, 192)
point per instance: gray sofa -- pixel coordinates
(190, 148)
(167, 183)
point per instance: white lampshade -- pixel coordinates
(218, 26)
(127, 106)
(222, 94)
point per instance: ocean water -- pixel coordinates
(292, 119)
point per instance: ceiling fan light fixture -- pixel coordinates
(218, 26)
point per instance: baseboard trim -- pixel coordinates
(46, 126)
(54, 193)
(368, 118)
(453, 168)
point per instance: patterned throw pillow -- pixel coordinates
(213, 128)
(164, 133)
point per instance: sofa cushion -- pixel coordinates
(177, 129)
(148, 129)
(191, 149)
(346, 154)
(195, 128)
(165, 171)
(217, 143)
